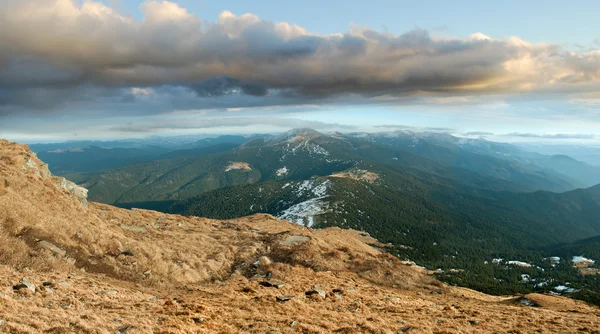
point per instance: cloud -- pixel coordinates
(224, 122)
(552, 135)
(478, 133)
(395, 126)
(54, 50)
(415, 128)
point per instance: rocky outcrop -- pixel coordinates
(33, 164)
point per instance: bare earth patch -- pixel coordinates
(358, 174)
(238, 165)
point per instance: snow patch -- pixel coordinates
(519, 263)
(282, 171)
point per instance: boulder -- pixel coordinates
(51, 247)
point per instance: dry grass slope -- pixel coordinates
(110, 270)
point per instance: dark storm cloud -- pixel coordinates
(53, 50)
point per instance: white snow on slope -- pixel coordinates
(581, 260)
(303, 213)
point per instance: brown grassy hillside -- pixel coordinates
(68, 266)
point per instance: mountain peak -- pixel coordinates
(293, 134)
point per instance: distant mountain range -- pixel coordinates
(442, 201)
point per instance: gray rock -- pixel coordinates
(51, 247)
(295, 239)
(126, 251)
(75, 191)
(405, 329)
(315, 290)
(284, 298)
(24, 285)
(123, 329)
(272, 284)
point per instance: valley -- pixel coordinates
(448, 204)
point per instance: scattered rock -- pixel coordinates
(28, 286)
(406, 329)
(284, 298)
(263, 261)
(474, 322)
(51, 247)
(295, 239)
(198, 320)
(48, 284)
(272, 284)
(315, 290)
(108, 292)
(126, 252)
(123, 329)
(248, 290)
(293, 323)
(528, 302)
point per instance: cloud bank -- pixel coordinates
(55, 53)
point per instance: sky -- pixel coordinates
(506, 71)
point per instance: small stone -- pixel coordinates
(107, 292)
(52, 248)
(63, 284)
(126, 252)
(392, 298)
(474, 322)
(284, 298)
(66, 305)
(147, 272)
(338, 291)
(198, 320)
(248, 290)
(78, 235)
(25, 285)
(48, 284)
(1, 322)
(405, 329)
(118, 319)
(123, 329)
(273, 284)
(293, 324)
(315, 290)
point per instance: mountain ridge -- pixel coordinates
(188, 274)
